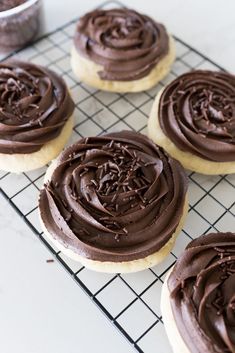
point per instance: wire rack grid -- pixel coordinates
(131, 301)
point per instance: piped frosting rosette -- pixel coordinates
(127, 44)
(116, 197)
(202, 294)
(197, 113)
(34, 107)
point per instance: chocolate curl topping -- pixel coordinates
(116, 197)
(34, 106)
(127, 44)
(197, 112)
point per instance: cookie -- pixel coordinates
(115, 202)
(35, 116)
(198, 303)
(121, 50)
(193, 118)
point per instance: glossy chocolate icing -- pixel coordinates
(34, 106)
(116, 197)
(197, 113)
(127, 44)
(202, 294)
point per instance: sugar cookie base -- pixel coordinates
(187, 159)
(87, 71)
(177, 343)
(116, 267)
(18, 163)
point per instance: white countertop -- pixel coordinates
(39, 303)
(42, 309)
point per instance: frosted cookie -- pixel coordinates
(198, 297)
(121, 50)
(35, 116)
(115, 203)
(193, 118)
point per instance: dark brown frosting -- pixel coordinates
(202, 294)
(197, 112)
(9, 4)
(116, 197)
(34, 106)
(127, 44)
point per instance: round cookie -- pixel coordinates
(193, 119)
(115, 203)
(197, 301)
(121, 50)
(35, 116)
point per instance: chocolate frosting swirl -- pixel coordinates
(116, 197)
(202, 294)
(197, 112)
(127, 44)
(34, 106)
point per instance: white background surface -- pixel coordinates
(41, 309)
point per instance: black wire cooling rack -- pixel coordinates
(131, 301)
